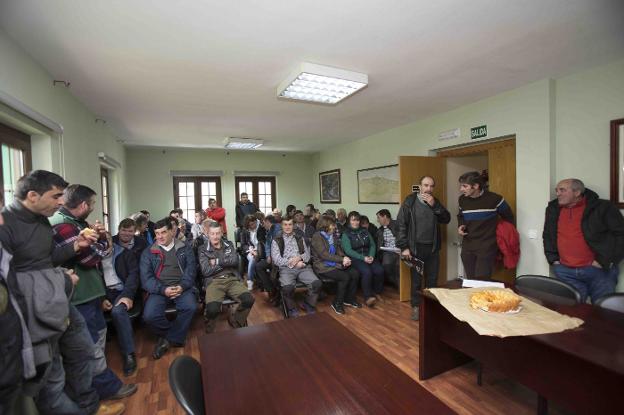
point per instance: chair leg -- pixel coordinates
(479, 373)
(542, 405)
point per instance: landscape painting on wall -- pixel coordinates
(379, 185)
(329, 186)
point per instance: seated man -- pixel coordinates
(218, 260)
(121, 275)
(264, 258)
(291, 255)
(386, 237)
(168, 276)
(301, 227)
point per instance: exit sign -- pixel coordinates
(478, 132)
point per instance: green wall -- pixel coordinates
(74, 154)
(151, 185)
(561, 128)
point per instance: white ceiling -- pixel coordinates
(189, 73)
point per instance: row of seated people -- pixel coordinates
(171, 272)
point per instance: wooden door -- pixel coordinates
(411, 169)
(502, 180)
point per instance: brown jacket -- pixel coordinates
(320, 254)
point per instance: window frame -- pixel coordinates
(197, 184)
(19, 140)
(254, 185)
(106, 198)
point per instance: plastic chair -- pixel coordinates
(186, 384)
(613, 302)
(547, 289)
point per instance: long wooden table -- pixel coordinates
(308, 365)
(581, 369)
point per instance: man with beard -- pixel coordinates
(419, 236)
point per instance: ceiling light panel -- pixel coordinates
(321, 84)
(243, 143)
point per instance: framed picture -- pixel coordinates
(329, 186)
(379, 185)
(617, 162)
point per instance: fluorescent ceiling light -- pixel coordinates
(243, 143)
(321, 84)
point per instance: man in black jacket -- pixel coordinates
(419, 235)
(243, 208)
(584, 239)
(121, 274)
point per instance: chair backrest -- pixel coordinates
(186, 383)
(547, 289)
(613, 302)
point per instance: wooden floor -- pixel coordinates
(387, 328)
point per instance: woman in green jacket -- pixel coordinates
(360, 247)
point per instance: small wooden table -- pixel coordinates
(308, 365)
(580, 369)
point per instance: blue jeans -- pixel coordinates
(372, 276)
(589, 281)
(68, 388)
(176, 330)
(122, 323)
(251, 267)
(105, 381)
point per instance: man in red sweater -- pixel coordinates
(216, 213)
(584, 239)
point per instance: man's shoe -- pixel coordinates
(308, 308)
(125, 391)
(117, 408)
(415, 314)
(293, 313)
(379, 298)
(338, 308)
(250, 285)
(370, 301)
(161, 348)
(353, 304)
(129, 364)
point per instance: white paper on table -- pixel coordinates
(478, 283)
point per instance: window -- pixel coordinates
(261, 191)
(105, 198)
(15, 160)
(192, 193)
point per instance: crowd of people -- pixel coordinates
(62, 275)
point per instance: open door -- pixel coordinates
(411, 169)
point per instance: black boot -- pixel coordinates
(129, 364)
(161, 348)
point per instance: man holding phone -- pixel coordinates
(419, 236)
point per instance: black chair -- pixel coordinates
(186, 384)
(613, 302)
(547, 289)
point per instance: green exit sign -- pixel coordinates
(478, 132)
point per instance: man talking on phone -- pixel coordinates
(419, 236)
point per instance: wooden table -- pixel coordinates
(308, 365)
(581, 369)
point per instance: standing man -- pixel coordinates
(69, 222)
(168, 271)
(584, 239)
(419, 236)
(243, 208)
(291, 255)
(63, 353)
(219, 267)
(478, 215)
(216, 213)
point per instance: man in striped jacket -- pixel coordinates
(478, 214)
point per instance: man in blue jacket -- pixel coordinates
(168, 272)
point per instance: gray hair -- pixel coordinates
(577, 185)
(139, 218)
